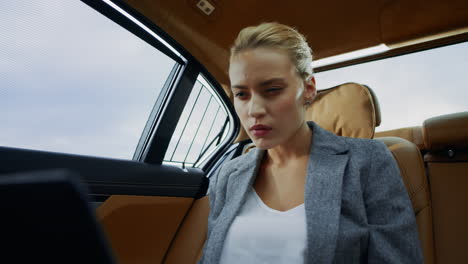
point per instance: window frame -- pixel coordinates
(168, 108)
(206, 152)
(400, 51)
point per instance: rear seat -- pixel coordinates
(446, 142)
(350, 110)
(353, 110)
(412, 134)
(412, 171)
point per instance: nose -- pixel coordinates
(257, 107)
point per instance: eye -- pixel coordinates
(273, 89)
(239, 94)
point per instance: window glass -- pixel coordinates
(203, 125)
(72, 80)
(413, 87)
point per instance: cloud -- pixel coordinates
(74, 81)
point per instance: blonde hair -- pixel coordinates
(276, 35)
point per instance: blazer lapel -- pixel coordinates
(327, 162)
(238, 184)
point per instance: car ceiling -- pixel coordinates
(332, 27)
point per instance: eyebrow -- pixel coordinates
(264, 83)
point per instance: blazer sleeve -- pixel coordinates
(212, 198)
(211, 216)
(393, 235)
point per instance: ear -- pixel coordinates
(310, 90)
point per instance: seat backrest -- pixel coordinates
(412, 171)
(349, 110)
(446, 141)
(412, 134)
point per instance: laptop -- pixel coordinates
(45, 217)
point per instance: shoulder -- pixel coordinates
(226, 176)
(236, 165)
(243, 161)
(366, 148)
(359, 148)
(372, 158)
(377, 164)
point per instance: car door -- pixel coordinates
(95, 88)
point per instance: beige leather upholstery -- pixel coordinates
(446, 131)
(140, 229)
(187, 247)
(411, 164)
(412, 134)
(349, 110)
(446, 140)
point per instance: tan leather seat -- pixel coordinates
(349, 110)
(353, 110)
(446, 140)
(411, 164)
(412, 134)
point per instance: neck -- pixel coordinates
(295, 148)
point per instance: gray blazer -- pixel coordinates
(357, 208)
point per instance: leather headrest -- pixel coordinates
(446, 131)
(349, 110)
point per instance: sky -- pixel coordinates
(73, 81)
(413, 87)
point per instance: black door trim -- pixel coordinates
(107, 177)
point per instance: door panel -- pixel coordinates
(141, 228)
(188, 244)
(143, 206)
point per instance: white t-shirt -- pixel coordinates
(260, 234)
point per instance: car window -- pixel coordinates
(74, 81)
(202, 127)
(413, 87)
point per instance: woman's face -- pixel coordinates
(269, 95)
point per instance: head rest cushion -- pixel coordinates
(349, 110)
(446, 131)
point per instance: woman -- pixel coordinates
(304, 195)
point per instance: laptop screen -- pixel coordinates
(46, 217)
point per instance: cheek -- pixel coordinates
(286, 105)
(240, 110)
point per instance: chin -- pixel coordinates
(263, 144)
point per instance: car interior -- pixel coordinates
(152, 212)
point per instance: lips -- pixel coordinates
(260, 130)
